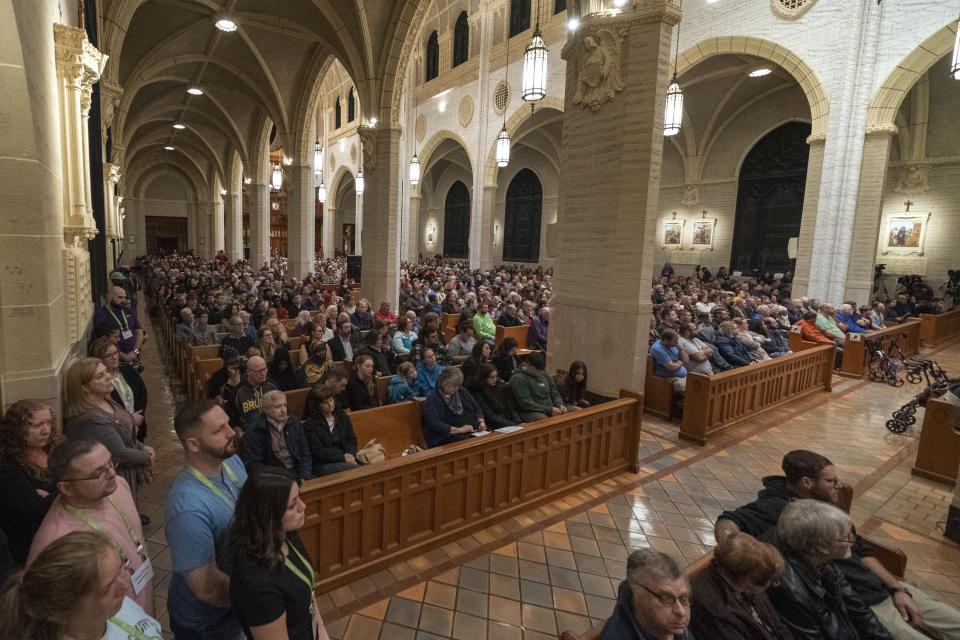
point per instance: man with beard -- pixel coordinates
(199, 514)
(117, 314)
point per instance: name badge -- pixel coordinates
(126, 334)
(142, 576)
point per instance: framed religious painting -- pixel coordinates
(904, 234)
(703, 232)
(672, 232)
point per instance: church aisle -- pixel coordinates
(557, 568)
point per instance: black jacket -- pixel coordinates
(505, 365)
(244, 407)
(716, 611)
(622, 625)
(822, 605)
(497, 405)
(21, 508)
(508, 321)
(328, 445)
(732, 350)
(257, 453)
(380, 361)
(358, 397)
(337, 350)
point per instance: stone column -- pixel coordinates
(609, 197)
(358, 222)
(301, 225)
(381, 262)
(259, 225)
(480, 211)
(866, 222)
(491, 253)
(808, 218)
(216, 227)
(233, 223)
(413, 230)
(329, 218)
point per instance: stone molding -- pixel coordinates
(791, 9)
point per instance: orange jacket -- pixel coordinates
(811, 333)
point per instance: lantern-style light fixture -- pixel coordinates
(414, 171)
(955, 65)
(503, 147)
(277, 180)
(535, 65)
(359, 182)
(317, 160)
(673, 114)
(321, 193)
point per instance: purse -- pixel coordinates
(371, 453)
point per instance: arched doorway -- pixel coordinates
(770, 200)
(521, 233)
(456, 221)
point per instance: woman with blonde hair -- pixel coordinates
(74, 589)
(128, 387)
(91, 413)
(27, 435)
(302, 328)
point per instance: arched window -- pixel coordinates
(456, 222)
(559, 5)
(433, 57)
(461, 40)
(351, 106)
(519, 16)
(521, 225)
(337, 114)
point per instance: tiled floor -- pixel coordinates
(557, 567)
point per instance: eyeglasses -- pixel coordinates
(99, 473)
(851, 538)
(668, 599)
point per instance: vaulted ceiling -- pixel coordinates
(265, 74)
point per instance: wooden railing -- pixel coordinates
(854, 363)
(938, 455)
(714, 403)
(939, 327)
(367, 519)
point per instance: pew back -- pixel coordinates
(938, 455)
(939, 327)
(395, 426)
(517, 333)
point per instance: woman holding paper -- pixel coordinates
(450, 413)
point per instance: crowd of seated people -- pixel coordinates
(708, 324)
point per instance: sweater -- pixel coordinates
(535, 393)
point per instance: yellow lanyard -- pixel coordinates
(296, 571)
(84, 517)
(206, 481)
(122, 323)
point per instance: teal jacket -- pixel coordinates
(399, 390)
(535, 393)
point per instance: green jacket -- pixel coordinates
(483, 325)
(535, 393)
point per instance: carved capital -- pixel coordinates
(110, 95)
(886, 129)
(78, 62)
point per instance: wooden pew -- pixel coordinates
(202, 373)
(517, 333)
(938, 455)
(296, 401)
(367, 519)
(657, 393)
(289, 323)
(796, 342)
(855, 353)
(383, 384)
(893, 560)
(448, 326)
(939, 327)
(395, 426)
(713, 404)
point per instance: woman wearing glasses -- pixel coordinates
(91, 413)
(27, 436)
(271, 583)
(75, 589)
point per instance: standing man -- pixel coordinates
(93, 498)
(199, 514)
(117, 315)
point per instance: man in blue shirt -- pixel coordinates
(846, 316)
(199, 514)
(668, 359)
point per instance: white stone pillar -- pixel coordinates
(866, 223)
(479, 240)
(233, 223)
(808, 218)
(609, 200)
(301, 225)
(259, 224)
(216, 227)
(381, 263)
(329, 219)
(358, 221)
(194, 214)
(491, 253)
(413, 228)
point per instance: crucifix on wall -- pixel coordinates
(908, 205)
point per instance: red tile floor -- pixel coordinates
(557, 567)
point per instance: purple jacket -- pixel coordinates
(126, 319)
(537, 334)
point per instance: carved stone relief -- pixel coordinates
(691, 196)
(599, 77)
(913, 180)
(368, 147)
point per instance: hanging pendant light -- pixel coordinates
(277, 181)
(321, 193)
(535, 65)
(414, 171)
(673, 114)
(955, 65)
(317, 160)
(503, 148)
(359, 182)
